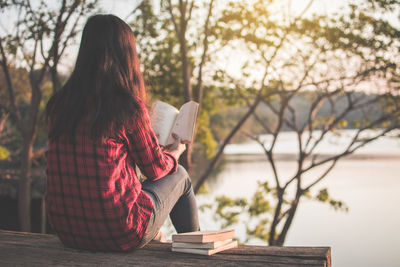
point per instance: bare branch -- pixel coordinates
(351, 148)
(177, 29)
(71, 33)
(191, 11)
(328, 127)
(315, 106)
(280, 114)
(305, 9)
(269, 156)
(10, 88)
(293, 123)
(216, 158)
(199, 86)
(289, 219)
(281, 120)
(33, 62)
(59, 28)
(323, 175)
(261, 122)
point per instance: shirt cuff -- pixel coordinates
(175, 167)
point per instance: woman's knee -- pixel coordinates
(182, 171)
(184, 177)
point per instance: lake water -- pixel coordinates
(369, 183)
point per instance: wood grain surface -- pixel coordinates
(29, 249)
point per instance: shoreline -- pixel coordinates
(292, 157)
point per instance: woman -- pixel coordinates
(99, 130)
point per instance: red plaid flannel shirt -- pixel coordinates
(94, 199)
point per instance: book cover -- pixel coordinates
(232, 244)
(204, 236)
(166, 119)
(208, 245)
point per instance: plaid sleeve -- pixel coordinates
(146, 152)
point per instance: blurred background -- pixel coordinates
(297, 141)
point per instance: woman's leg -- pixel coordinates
(172, 195)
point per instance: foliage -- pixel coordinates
(157, 46)
(256, 214)
(227, 210)
(4, 153)
(323, 196)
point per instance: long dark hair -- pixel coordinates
(105, 84)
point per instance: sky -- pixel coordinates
(120, 7)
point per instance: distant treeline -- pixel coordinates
(224, 120)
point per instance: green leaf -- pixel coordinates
(323, 195)
(4, 153)
(204, 189)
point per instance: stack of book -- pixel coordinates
(204, 242)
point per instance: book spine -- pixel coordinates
(208, 252)
(219, 237)
(209, 245)
(203, 238)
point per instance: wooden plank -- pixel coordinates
(40, 250)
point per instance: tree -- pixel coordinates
(329, 60)
(169, 55)
(35, 43)
(185, 13)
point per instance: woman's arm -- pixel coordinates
(146, 152)
(177, 148)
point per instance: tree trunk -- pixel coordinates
(55, 79)
(3, 118)
(24, 190)
(186, 158)
(29, 134)
(288, 223)
(272, 232)
(187, 89)
(186, 71)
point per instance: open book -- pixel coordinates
(166, 120)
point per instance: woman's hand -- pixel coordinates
(176, 148)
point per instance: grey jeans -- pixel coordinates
(171, 195)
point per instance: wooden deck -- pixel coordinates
(27, 249)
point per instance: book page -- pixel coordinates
(163, 117)
(186, 121)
